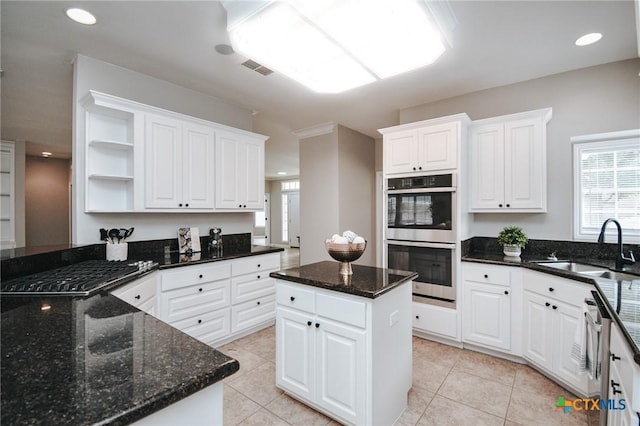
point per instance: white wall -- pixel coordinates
(92, 74)
(598, 99)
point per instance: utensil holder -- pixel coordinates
(117, 251)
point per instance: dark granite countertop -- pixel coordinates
(175, 259)
(366, 281)
(621, 297)
(96, 360)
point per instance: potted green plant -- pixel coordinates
(512, 239)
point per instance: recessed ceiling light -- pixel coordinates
(81, 16)
(46, 154)
(588, 39)
(281, 173)
(224, 49)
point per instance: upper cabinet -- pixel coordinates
(425, 146)
(179, 160)
(7, 195)
(507, 161)
(141, 158)
(239, 172)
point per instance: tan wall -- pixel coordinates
(598, 99)
(47, 201)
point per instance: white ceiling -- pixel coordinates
(495, 43)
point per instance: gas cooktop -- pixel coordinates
(81, 278)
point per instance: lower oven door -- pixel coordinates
(434, 263)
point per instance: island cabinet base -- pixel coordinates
(347, 356)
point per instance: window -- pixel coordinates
(290, 185)
(607, 184)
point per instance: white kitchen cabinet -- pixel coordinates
(424, 146)
(239, 175)
(552, 310)
(7, 195)
(486, 306)
(141, 293)
(624, 381)
(333, 349)
(112, 133)
(507, 161)
(178, 164)
(437, 320)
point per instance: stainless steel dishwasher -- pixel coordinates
(602, 327)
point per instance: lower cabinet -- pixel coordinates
(341, 353)
(141, 293)
(624, 382)
(552, 310)
(436, 320)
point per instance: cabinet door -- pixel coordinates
(254, 175)
(163, 162)
(524, 171)
(198, 164)
(400, 151)
(487, 315)
(253, 312)
(537, 339)
(228, 182)
(438, 147)
(486, 161)
(295, 352)
(340, 369)
(565, 323)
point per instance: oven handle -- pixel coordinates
(420, 190)
(450, 246)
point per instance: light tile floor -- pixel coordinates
(451, 386)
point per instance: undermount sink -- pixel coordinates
(591, 271)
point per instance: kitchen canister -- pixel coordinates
(117, 251)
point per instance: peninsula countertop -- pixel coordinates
(366, 281)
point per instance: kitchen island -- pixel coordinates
(343, 342)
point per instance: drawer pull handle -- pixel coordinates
(554, 307)
(200, 276)
(547, 304)
(614, 357)
(137, 297)
(499, 205)
(258, 302)
(309, 323)
(186, 205)
(199, 289)
(258, 276)
(417, 316)
(199, 321)
(614, 384)
(506, 292)
(486, 276)
(317, 325)
(292, 298)
(551, 288)
(258, 265)
(180, 205)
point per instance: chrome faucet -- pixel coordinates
(621, 260)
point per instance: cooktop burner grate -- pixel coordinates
(79, 278)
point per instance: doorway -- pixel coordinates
(293, 207)
(262, 225)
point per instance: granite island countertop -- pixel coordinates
(366, 281)
(74, 360)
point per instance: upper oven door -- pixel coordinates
(421, 214)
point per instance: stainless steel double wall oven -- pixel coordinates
(421, 234)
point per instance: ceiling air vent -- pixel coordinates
(253, 65)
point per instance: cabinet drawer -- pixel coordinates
(256, 264)
(207, 327)
(487, 274)
(565, 290)
(252, 313)
(251, 286)
(340, 309)
(435, 319)
(189, 301)
(190, 275)
(295, 296)
(139, 292)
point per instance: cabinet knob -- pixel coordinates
(239, 205)
(499, 205)
(414, 168)
(187, 205)
(317, 325)
(554, 307)
(180, 205)
(417, 316)
(508, 205)
(258, 276)
(258, 265)
(309, 323)
(420, 168)
(547, 304)
(551, 288)
(614, 357)
(200, 276)
(199, 321)
(137, 297)
(200, 289)
(258, 302)
(292, 298)
(244, 205)
(506, 292)
(486, 275)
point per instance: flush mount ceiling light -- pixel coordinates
(46, 154)
(335, 45)
(588, 39)
(81, 16)
(281, 173)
